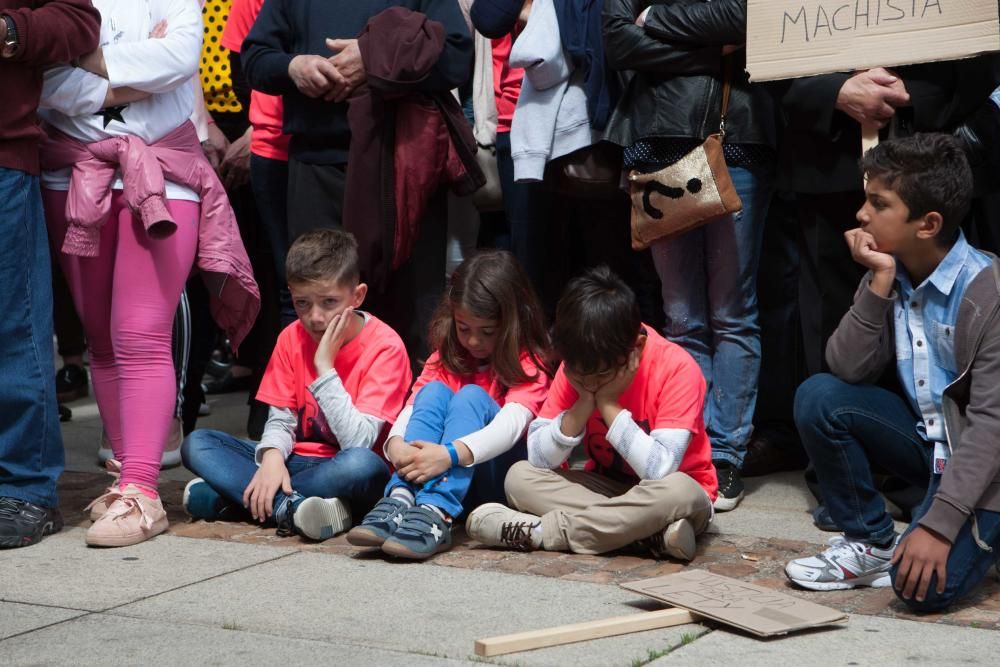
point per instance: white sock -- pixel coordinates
(404, 495)
(439, 512)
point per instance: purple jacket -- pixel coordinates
(177, 157)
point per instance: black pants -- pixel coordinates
(269, 180)
(315, 196)
(828, 276)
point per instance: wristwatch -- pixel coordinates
(10, 42)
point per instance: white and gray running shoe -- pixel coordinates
(845, 564)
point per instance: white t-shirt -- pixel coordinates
(72, 97)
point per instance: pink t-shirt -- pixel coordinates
(506, 82)
(373, 367)
(668, 392)
(530, 394)
(266, 111)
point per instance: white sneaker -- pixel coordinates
(321, 518)
(497, 525)
(676, 541)
(844, 565)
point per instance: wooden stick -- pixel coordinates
(869, 137)
(567, 634)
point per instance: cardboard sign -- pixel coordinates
(792, 38)
(758, 610)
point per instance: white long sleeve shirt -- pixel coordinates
(72, 97)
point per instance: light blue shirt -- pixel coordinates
(925, 332)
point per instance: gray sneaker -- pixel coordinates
(321, 518)
(497, 525)
(845, 564)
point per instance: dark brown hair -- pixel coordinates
(597, 322)
(324, 254)
(928, 172)
(491, 285)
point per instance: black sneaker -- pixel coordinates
(730, 486)
(71, 383)
(23, 524)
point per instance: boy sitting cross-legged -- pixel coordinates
(634, 401)
(336, 380)
(928, 305)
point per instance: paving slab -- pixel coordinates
(99, 639)
(864, 640)
(61, 571)
(16, 618)
(412, 607)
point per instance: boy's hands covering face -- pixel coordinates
(610, 392)
(272, 475)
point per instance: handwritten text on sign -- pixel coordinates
(793, 38)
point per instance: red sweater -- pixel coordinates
(55, 31)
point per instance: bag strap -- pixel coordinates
(727, 84)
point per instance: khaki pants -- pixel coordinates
(588, 513)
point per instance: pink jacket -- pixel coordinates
(177, 157)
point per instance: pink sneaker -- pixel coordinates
(132, 518)
(100, 505)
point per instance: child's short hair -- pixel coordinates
(493, 286)
(597, 322)
(929, 172)
(324, 254)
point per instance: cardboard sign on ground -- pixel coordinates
(758, 610)
(792, 38)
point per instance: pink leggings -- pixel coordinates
(126, 298)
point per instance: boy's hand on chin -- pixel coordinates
(865, 252)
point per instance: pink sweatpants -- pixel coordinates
(126, 298)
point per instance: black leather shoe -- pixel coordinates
(71, 383)
(22, 524)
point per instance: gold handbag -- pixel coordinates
(688, 193)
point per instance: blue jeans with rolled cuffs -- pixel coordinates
(709, 285)
(441, 415)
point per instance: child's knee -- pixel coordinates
(434, 392)
(812, 398)
(196, 443)
(361, 463)
(518, 480)
(470, 395)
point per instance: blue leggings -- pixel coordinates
(441, 415)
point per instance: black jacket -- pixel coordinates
(821, 146)
(675, 84)
(287, 28)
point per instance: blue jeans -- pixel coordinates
(31, 446)
(847, 428)
(967, 562)
(355, 475)
(709, 285)
(441, 415)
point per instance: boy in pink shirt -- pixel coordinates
(335, 383)
(634, 401)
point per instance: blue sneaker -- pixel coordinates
(379, 524)
(422, 534)
(201, 501)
